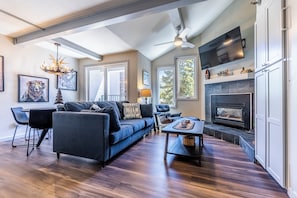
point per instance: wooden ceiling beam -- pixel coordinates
(103, 18)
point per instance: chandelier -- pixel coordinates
(57, 65)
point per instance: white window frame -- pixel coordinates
(178, 96)
(105, 67)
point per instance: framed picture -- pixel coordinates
(145, 78)
(33, 89)
(67, 81)
(1, 73)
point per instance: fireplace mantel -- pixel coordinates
(230, 78)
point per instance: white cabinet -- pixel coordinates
(260, 118)
(269, 33)
(270, 89)
(269, 120)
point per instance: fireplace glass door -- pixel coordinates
(229, 113)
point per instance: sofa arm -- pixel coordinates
(81, 134)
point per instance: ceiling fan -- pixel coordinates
(180, 40)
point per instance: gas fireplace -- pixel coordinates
(233, 110)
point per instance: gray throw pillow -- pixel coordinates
(114, 121)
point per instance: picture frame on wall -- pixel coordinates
(33, 89)
(1, 73)
(67, 81)
(145, 78)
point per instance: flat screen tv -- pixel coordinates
(225, 48)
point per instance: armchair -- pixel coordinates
(163, 115)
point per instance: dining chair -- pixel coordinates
(21, 118)
(39, 119)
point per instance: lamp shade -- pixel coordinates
(145, 93)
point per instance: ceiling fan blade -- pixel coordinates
(184, 33)
(164, 43)
(187, 45)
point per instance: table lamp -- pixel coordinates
(145, 93)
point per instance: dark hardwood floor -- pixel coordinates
(139, 172)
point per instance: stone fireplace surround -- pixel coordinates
(242, 137)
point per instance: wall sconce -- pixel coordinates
(145, 93)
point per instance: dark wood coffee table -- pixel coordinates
(178, 148)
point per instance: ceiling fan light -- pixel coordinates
(178, 41)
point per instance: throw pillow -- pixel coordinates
(113, 104)
(120, 106)
(131, 111)
(114, 121)
(146, 110)
(94, 107)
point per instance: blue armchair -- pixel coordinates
(163, 115)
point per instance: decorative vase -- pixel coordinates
(207, 74)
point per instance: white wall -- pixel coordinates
(292, 98)
(25, 59)
(239, 13)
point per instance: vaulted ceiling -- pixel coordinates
(94, 28)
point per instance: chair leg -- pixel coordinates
(26, 133)
(13, 138)
(16, 127)
(28, 145)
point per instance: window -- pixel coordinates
(166, 84)
(107, 82)
(186, 71)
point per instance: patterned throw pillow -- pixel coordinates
(95, 107)
(131, 111)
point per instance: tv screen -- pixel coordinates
(225, 48)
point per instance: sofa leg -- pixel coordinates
(58, 155)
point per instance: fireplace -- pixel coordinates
(233, 110)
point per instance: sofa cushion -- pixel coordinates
(126, 131)
(148, 121)
(77, 106)
(137, 124)
(114, 121)
(132, 111)
(113, 104)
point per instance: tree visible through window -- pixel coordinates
(186, 77)
(166, 83)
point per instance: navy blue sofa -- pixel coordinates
(80, 131)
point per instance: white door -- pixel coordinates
(260, 118)
(260, 42)
(275, 122)
(274, 31)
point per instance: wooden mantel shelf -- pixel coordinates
(230, 78)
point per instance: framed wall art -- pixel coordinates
(1, 73)
(67, 81)
(33, 89)
(145, 78)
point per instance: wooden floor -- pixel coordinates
(139, 172)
